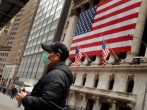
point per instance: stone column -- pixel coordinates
(96, 105)
(139, 30)
(71, 28)
(146, 53)
(97, 60)
(0, 80)
(86, 60)
(113, 107)
(131, 105)
(112, 58)
(73, 100)
(84, 102)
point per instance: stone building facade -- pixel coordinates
(4, 48)
(122, 85)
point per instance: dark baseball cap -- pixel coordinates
(57, 47)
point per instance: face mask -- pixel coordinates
(45, 59)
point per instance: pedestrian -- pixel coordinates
(53, 87)
(13, 91)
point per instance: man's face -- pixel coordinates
(54, 58)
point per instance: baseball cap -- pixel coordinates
(57, 47)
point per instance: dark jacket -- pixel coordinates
(52, 87)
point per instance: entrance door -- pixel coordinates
(105, 106)
(90, 104)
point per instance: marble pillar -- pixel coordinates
(138, 33)
(70, 30)
(96, 105)
(113, 107)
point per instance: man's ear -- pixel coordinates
(57, 56)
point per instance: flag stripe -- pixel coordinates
(116, 30)
(117, 21)
(99, 52)
(99, 42)
(115, 11)
(112, 45)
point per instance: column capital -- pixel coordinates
(74, 12)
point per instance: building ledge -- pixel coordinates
(104, 94)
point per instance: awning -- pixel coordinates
(8, 9)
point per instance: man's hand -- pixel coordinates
(20, 96)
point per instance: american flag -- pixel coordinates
(112, 19)
(78, 56)
(105, 53)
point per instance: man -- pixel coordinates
(52, 89)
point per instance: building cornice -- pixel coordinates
(112, 68)
(102, 94)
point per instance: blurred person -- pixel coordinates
(52, 89)
(13, 91)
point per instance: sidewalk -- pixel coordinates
(8, 104)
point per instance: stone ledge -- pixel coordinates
(101, 93)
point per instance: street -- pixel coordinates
(8, 104)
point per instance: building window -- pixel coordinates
(130, 86)
(67, 25)
(111, 82)
(84, 80)
(96, 82)
(63, 37)
(5, 31)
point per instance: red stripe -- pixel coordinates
(116, 30)
(117, 12)
(104, 2)
(99, 52)
(120, 39)
(135, 15)
(112, 6)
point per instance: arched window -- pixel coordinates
(130, 86)
(84, 80)
(96, 82)
(111, 84)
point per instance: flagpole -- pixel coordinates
(138, 39)
(111, 49)
(87, 56)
